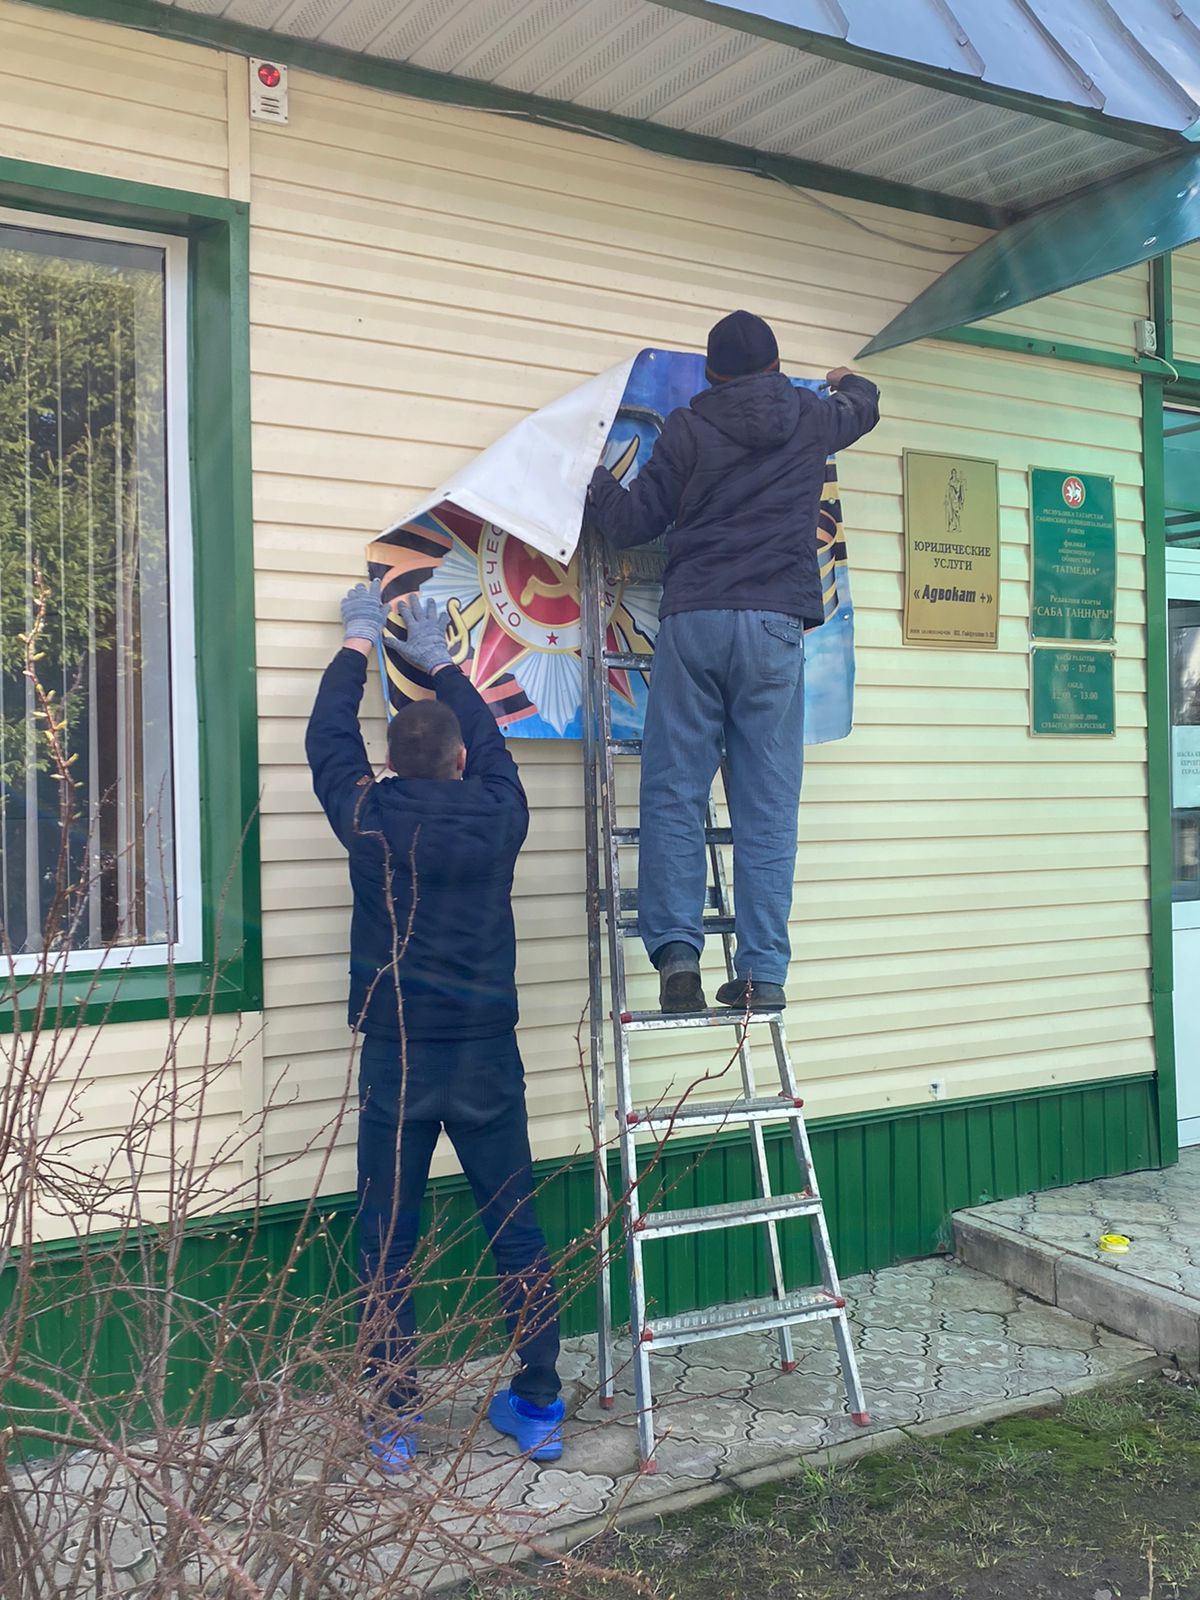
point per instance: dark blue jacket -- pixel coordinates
(454, 844)
(736, 477)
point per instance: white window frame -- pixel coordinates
(185, 733)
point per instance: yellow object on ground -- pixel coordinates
(1116, 1244)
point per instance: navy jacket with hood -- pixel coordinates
(736, 478)
(431, 867)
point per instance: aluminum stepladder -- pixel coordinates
(612, 911)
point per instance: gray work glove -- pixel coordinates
(424, 644)
(364, 612)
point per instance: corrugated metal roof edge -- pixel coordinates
(937, 78)
(147, 16)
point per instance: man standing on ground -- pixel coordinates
(735, 482)
(433, 994)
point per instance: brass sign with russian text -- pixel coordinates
(951, 551)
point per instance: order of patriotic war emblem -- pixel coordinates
(515, 626)
(537, 608)
(515, 621)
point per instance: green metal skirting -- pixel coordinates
(891, 1182)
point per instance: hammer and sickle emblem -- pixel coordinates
(565, 584)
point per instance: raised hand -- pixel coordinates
(364, 613)
(424, 644)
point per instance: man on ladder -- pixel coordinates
(735, 481)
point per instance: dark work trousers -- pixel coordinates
(475, 1089)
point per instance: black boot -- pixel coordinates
(762, 996)
(678, 978)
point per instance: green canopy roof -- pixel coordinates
(1099, 231)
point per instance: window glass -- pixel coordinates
(88, 795)
(1181, 478)
(1184, 663)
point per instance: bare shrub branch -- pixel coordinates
(182, 1395)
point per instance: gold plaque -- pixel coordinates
(951, 551)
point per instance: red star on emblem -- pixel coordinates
(551, 638)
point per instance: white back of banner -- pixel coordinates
(533, 481)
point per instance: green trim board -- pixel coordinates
(92, 197)
(1162, 307)
(1018, 344)
(1158, 760)
(891, 1181)
(190, 27)
(229, 975)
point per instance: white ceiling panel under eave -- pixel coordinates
(735, 73)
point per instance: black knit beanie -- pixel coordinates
(738, 345)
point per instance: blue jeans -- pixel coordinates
(475, 1089)
(731, 680)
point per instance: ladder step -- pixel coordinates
(747, 1316)
(715, 1114)
(629, 899)
(629, 660)
(711, 835)
(728, 1214)
(628, 926)
(714, 1017)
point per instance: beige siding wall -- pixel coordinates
(87, 95)
(141, 1113)
(971, 904)
(1100, 314)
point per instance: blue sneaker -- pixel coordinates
(537, 1429)
(394, 1448)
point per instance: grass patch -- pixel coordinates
(1100, 1497)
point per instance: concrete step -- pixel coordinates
(1046, 1247)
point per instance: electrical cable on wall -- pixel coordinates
(541, 120)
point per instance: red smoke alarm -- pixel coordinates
(268, 91)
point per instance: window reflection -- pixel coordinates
(1184, 658)
(83, 558)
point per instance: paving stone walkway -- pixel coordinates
(935, 1340)
(1048, 1244)
(940, 1345)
